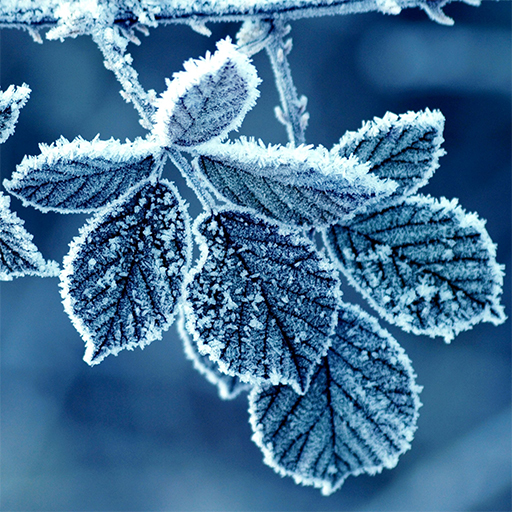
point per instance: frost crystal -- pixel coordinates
(122, 278)
(82, 176)
(207, 100)
(18, 254)
(12, 101)
(425, 265)
(301, 186)
(404, 148)
(262, 302)
(358, 415)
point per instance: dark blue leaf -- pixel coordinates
(424, 265)
(123, 276)
(18, 254)
(299, 186)
(262, 301)
(358, 416)
(403, 148)
(229, 386)
(83, 176)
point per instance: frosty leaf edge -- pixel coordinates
(274, 278)
(19, 256)
(358, 416)
(122, 280)
(405, 283)
(83, 176)
(195, 110)
(12, 100)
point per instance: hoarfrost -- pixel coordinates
(18, 254)
(83, 176)
(120, 287)
(424, 265)
(244, 260)
(358, 416)
(228, 386)
(404, 148)
(207, 100)
(12, 100)
(301, 186)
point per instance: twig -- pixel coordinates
(112, 44)
(292, 112)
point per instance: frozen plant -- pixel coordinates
(331, 392)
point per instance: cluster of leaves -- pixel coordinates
(331, 392)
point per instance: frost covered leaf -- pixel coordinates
(18, 254)
(123, 275)
(207, 100)
(228, 386)
(424, 265)
(358, 416)
(12, 101)
(301, 186)
(83, 176)
(262, 301)
(404, 148)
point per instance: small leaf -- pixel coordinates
(12, 100)
(301, 186)
(123, 276)
(404, 148)
(424, 265)
(83, 176)
(262, 301)
(358, 416)
(228, 386)
(18, 254)
(207, 100)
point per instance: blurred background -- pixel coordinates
(144, 431)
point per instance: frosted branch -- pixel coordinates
(113, 47)
(32, 15)
(292, 112)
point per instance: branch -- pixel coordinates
(292, 112)
(80, 16)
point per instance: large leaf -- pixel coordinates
(262, 301)
(83, 176)
(12, 100)
(425, 265)
(123, 276)
(358, 416)
(301, 186)
(18, 254)
(404, 148)
(207, 100)
(228, 386)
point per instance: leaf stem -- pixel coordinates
(112, 44)
(194, 180)
(292, 112)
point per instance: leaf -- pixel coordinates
(83, 176)
(403, 148)
(424, 265)
(358, 416)
(207, 100)
(123, 275)
(228, 386)
(18, 254)
(12, 100)
(300, 186)
(262, 301)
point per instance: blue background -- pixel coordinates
(144, 431)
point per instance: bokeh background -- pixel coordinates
(144, 431)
